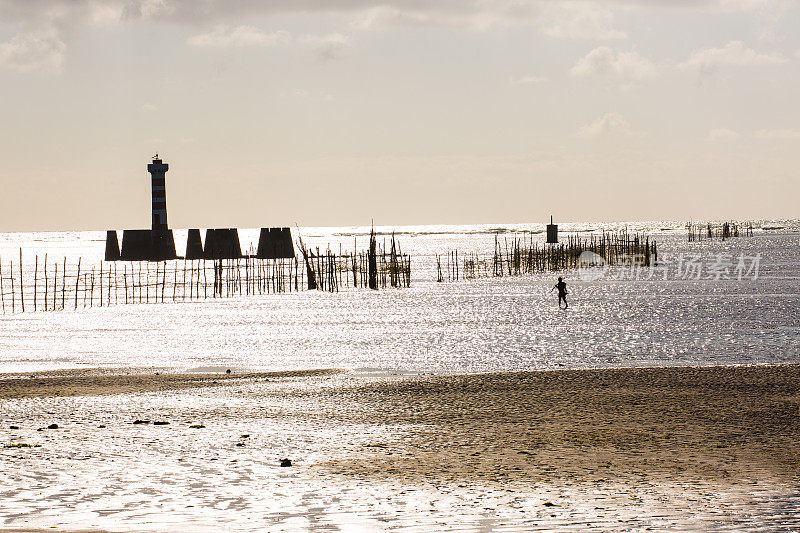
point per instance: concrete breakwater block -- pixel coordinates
(112, 246)
(222, 243)
(194, 246)
(275, 243)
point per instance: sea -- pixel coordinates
(710, 302)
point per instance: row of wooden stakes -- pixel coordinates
(52, 286)
(723, 231)
(377, 267)
(523, 255)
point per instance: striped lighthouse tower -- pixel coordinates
(157, 243)
(158, 170)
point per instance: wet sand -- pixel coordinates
(717, 423)
(709, 422)
(97, 382)
(620, 449)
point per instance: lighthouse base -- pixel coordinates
(147, 245)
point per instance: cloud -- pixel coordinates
(377, 16)
(222, 36)
(572, 19)
(327, 47)
(40, 51)
(726, 135)
(722, 135)
(711, 6)
(558, 18)
(529, 80)
(435, 15)
(605, 62)
(314, 95)
(148, 9)
(735, 54)
(147, 106)
(561, 19)
(745, 5)
(578, 20)
(609, 125)
(778, 134)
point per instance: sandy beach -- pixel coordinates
(95, 382)
(709, 422)
(699, 437)
(597, 425)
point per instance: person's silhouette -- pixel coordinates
(562, 292)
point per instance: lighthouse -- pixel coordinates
(156, 243)
(158, 170)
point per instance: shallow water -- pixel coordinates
(489, 324)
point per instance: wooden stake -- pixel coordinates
(35, 281)
(205, 280)
(2, 292)
(13, 299)
(45, 282)
(64, 284)
(77, 279)
(21, 288)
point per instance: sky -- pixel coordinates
(344, 112)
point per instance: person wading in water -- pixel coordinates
(562, 292)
